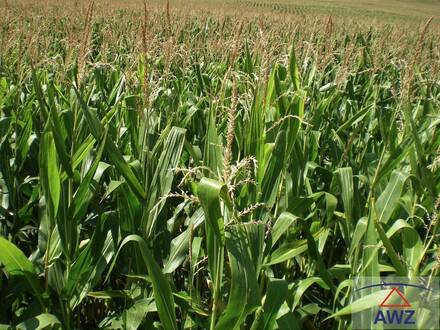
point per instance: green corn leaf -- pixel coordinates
(413, 248)
(87, 269)
(388, 200)
(81, 196)
(272, 172)
(266, 315)
(287, 321)
(42, 321)
(316, 255)
(364, 303)
(40, 96)
(294, 69)
(161, 288)
(370, 260)
(180, 245)
(284, 221)
(212, 152)
(23, 144)
(209, 192)
(394, 158)
(291, 250)
(163, 176)
(57, 131)
(244, 294)
(359, 232)
(302, 287)
(97, 129)
(49, 174)
(132, 317)
(16, 264)
(357, 117)
(256, 243)
(299, 205)
(401, 271)
(254, 143)
(346, 181)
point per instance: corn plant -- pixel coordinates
(204, 174)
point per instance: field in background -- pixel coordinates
(214, 164)
(390, 10)
(381, 10)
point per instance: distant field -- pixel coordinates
(384, 10)
(389, 9)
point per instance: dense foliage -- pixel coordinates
(160, 170)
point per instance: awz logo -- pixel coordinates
(394, 302)
(395, 317)
(392, 316)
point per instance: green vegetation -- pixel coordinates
(163, 168)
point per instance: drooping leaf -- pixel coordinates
(16, 264)
(42, 321)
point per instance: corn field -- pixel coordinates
(172, 168)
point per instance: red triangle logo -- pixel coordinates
(404, 304)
